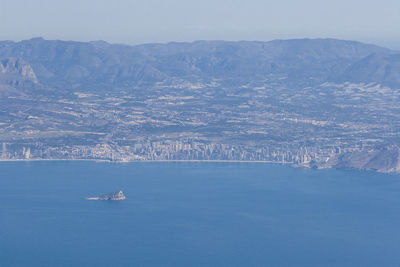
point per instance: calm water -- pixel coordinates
(196, 214)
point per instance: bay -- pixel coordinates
(196, 214)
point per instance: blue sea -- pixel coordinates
(196, 214)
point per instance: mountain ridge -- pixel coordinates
(62, 63)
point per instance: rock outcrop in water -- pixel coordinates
(119, 195)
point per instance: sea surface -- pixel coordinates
(196, 214)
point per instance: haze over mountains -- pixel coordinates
(94, 64)
(311, 102)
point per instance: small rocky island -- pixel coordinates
(119, 195)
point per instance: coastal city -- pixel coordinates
(186, 122)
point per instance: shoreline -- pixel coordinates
(291, 164)
(134, 161)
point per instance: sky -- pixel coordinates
(148, 21)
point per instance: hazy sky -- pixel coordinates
(133, 21)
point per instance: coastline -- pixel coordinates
(132, 161)
(291, 164)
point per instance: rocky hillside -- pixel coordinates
(377, 67)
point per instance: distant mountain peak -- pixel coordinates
(16, 66)
(37, 39)
(100, 43)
